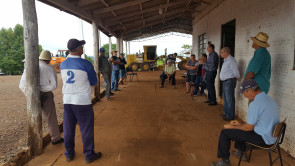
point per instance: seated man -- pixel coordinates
(263, 114)
(170, 71)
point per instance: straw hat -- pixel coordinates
(261, 39)
(113, 51)
(45, 55)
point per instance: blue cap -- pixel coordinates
(248, 84)
(101, 50)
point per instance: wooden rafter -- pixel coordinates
(140, 12)
(153, 20)
(120, 6)
(174, 12)
(80, 13)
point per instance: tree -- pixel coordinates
(106, 48)
(12, 50)
(185, 48)
(89, 59)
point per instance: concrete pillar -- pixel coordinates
(110, 46)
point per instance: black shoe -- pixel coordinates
(226, 119)
(61, 140)
(207, 101)
(221, 163)
(222, 115)
(212, 103)
(69, 159)
(112, 94)
(97, 156)
(162, 86)
(238, 154)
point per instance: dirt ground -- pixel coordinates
(143, 126)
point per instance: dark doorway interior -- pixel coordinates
(228, 33)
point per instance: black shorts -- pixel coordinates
(190, 78)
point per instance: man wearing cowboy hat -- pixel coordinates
(48, 83)
(262, 116)
(259, 67)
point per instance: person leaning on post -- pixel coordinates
(262, 116)
(48, 83)
(78, 76)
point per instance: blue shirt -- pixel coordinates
(212, 62)
(78, 76)
(260, 65)
(264, 114)
(229, 69)
(116, 66)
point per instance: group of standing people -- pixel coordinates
(263, 112)
(113, 71)
(78, 76)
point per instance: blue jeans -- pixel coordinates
(198, 82)
(210, 85)
(115, 80)
(228, 94)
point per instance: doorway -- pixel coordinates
(228, 35)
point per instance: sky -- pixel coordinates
(55, 28)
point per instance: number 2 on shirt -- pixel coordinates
(71, 75)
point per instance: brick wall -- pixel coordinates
(277, 19)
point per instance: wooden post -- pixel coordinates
(35, 136)
(96, 58)
(126, 48)
(110, 47)
(118, 45)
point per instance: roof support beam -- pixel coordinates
(132, 27)
(123, 16)
(120, 6)
(174, 12)
(80, 13)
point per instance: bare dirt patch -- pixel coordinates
(13, 111)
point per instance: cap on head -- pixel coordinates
(74, 44)
(122, 54)
(45, 55)
(101, 50)
(261, 39)
(248, 84)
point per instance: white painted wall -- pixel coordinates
(277, 19)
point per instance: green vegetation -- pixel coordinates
(185, 48)
(12, 50)
(106, 48)
(89, 59)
